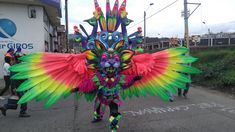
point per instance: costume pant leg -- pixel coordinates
(7, 84)
(187, 88)
(99, 109)
(113, 109)
(114, 116)
(23, 108)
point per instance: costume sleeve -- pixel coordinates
(87, 86)
(128, 81)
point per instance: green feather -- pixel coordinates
(90, 96)
(33, 57)
(43, 96)
(32, 93)
(25, 85)
(188, 59)
(163, 95)
(123, 95)
(21, 67)
(182, 59)
(67, 93)
(50, 85)
(31, 83)
(53, 98)
(78, 95)
(178, 50)
(20, 75)
(95, 79)
(28, 74)
(184, 69)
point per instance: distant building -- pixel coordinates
(29, 24)
(152, 43)
(195, 40)
(216, 39)
(61, 39)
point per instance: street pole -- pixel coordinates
(186, 32)
(208, 36)
(186, 35)
(66, 23)
(186, 16)
(145, 28)
(145, 23)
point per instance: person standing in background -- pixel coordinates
(185, 91)
(6, 74)
(15, 84)
(10, 53)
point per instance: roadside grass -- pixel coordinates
(217, 66)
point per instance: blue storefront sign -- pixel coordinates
(8, 29)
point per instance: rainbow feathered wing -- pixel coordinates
(161, 72)
(53, 75)
(50, 75)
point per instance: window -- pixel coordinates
(32, 12)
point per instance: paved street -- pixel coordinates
(203, 111)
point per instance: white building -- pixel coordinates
(29, 24)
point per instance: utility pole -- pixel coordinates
(66, 23)
(209, 34)
(186, 32)
(187, 14)
(145, 28)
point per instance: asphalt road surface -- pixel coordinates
(202, 111)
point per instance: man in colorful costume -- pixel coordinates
(136, 38)
(105, 70)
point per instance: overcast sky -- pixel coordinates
(215, 13)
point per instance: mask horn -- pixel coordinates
(99, 46)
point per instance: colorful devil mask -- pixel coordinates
(109, 61)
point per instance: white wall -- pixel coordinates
(49, 33)
(30, 31)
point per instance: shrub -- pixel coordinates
(218, 68)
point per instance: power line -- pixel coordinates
(154, 13)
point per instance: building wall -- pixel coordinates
(61, 38)
(61, 41)
(29, 33)
(50, 35)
